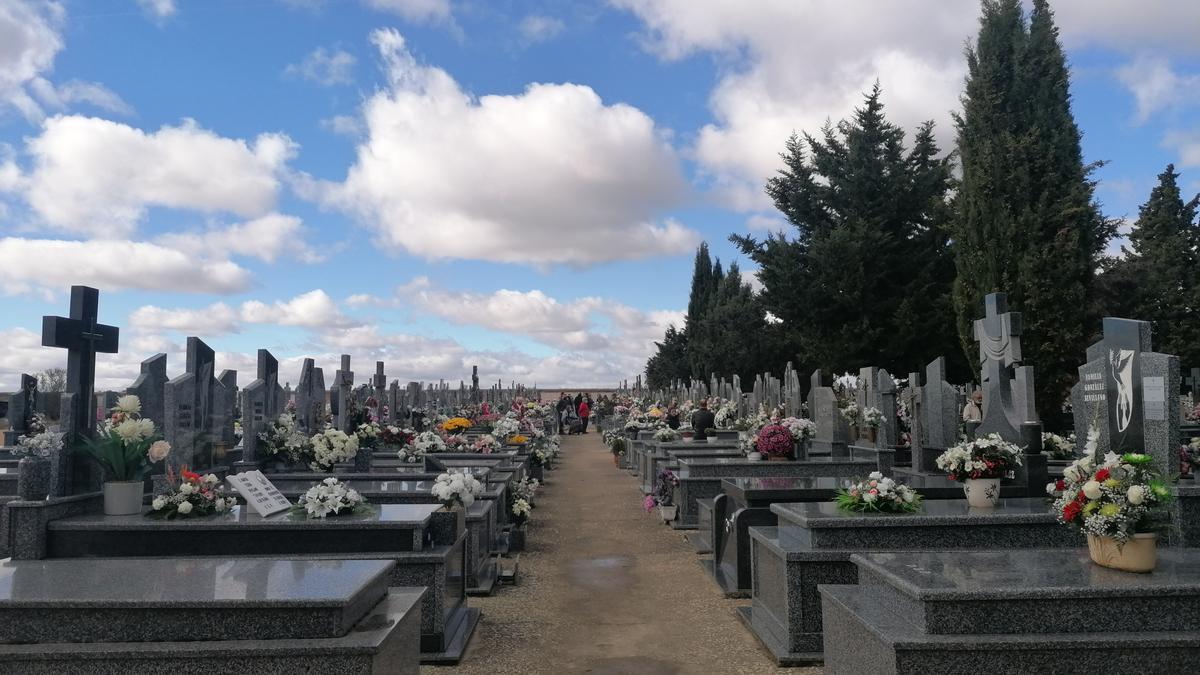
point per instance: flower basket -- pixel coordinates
(123, 498)
(1138, 554)
(982, 493)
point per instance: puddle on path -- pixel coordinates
(604, 573)
(632, 665)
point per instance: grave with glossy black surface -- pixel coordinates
(657, 454)
(145, 615)
(813, 543)
(480, 520)
(428, 546)
(701, 478)
(746, 503)
(1014, 611)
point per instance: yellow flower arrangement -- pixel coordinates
(518, 439)
(456, 425)
(656, 412)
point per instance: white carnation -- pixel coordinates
(184, 508)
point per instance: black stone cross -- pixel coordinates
(83, 338)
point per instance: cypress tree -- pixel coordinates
(669, 361)
(703, 286)
(866, 276)
(1159, 276)
(730, 338)
(1026, 222)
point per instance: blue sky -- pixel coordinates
(441, 183)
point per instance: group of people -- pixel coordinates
(573, 413)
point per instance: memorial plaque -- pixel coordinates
(259, 493)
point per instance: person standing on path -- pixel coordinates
(703, 420)
(578, 402)
(584, 411)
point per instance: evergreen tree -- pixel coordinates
(1026, 223)
(730, 339)
(866, 277)
(703, 286)
(1158, 279)
(670, 360)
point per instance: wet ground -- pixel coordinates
(607, 589)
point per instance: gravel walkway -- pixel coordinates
(605, 588)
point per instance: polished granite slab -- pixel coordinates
(381, 516)
(763, 491)
(727, 467)
(374, 490)
(203, 599)
(1034, 591)
(386, 640)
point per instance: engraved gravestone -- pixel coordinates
(999, 336)
(912, 398)
(21, 406)
(393, 402)
(190, 410)
(885, 394)
(148, 387)
(380, 382)
(941, 413)
(832, 431)
(83, 338)
(225, 400)
(343, 385)
(255, 420)
(1129, 394)
(310, 398)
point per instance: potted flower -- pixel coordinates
(456, 489)
(456, 425)
(282, 442)
(485, 445)
(776, 442)
(330, 498)
(125, 448)
(617, 446)
(749, 446)
(878, 494)
(745, 428)
(802, 430)
(34, 468)
(1189, 458)
(1118, 504)
(873, 418)
(331, 447)
(710, 435)
(667, 435)
(420, 445)
(663, 496)
(191, 495)
(979, 465)
(519, 510)
(1057, 447)
(849, 410)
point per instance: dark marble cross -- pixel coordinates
(83, 338)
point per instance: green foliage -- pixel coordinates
(669, 361)
(1025, 220)
(866, 276)
(120, 460)
(1158, 279)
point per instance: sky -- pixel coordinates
(518, 185)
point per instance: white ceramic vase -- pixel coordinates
(123, 498)
(982, 493)
(754, 456)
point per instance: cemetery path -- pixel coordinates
(607, 589)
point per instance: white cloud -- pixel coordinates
(159, 9)
(414, 10)
(1133, 26)
(27, 265)
(325, 67)
(30, 39)
(211, 321)
(552, 175)
(1156, 86)
(346, 125)
(539, 28)
(314, 309)
(1187, 144)
(98, 177)
(773, 83)
(766, 223)
(266, 238)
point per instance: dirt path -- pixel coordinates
(605, 588)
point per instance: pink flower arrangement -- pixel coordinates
(775, 440)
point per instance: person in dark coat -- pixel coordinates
(578, 402)
(702, 420)
(563, 403)
(673, 418)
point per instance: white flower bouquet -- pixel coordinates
(283, 440)
(872, 417)
(328, 498)
(506, 427)
(126, 444)
(726, 415)
(520, 511)
(191, 496)
(39, 445)
(985, 457)
(878, 494)
(525, 489)
(456, 487)
(1058, 447)
(368, 434)
(800, 428)
(331, 447)
(667, 435)
(422, 444)
(485, 444)
(850, 412)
